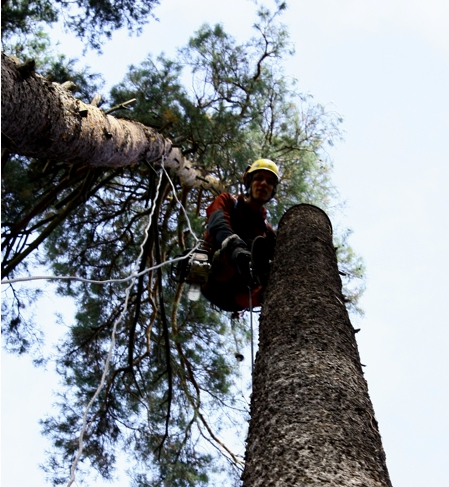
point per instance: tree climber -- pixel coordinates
(240, 260)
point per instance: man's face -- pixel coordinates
(262, 185)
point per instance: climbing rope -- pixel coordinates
(132, 278)
(181, 205)
(251, 328)
(112, 344)
(93, 281)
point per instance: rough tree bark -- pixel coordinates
(40, 119)
(312, 421)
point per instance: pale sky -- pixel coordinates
(384, 66)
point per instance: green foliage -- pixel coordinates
(92, 20)
(170, 388)
(352, 271)
(19, 331)
(23, 16)
(54, 66)
(241, 107)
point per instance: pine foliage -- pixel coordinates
(92, 20)
(170, 390)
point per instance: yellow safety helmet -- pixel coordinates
(260, 165)
(263, 164)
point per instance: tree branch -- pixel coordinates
(45, 121)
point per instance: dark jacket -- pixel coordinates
(228, 216)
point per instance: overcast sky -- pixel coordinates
(384, 66)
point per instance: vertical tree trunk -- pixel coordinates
(312, 422)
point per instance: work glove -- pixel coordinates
(238, 254)
(232, 245)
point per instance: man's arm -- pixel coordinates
(219, 213)
(220, 230)
(219, 227)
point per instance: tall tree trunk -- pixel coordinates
(40, 119)
(312, 421)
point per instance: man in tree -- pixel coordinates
(241, 241)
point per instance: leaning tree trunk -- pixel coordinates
(41, 119)
(312, 422)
